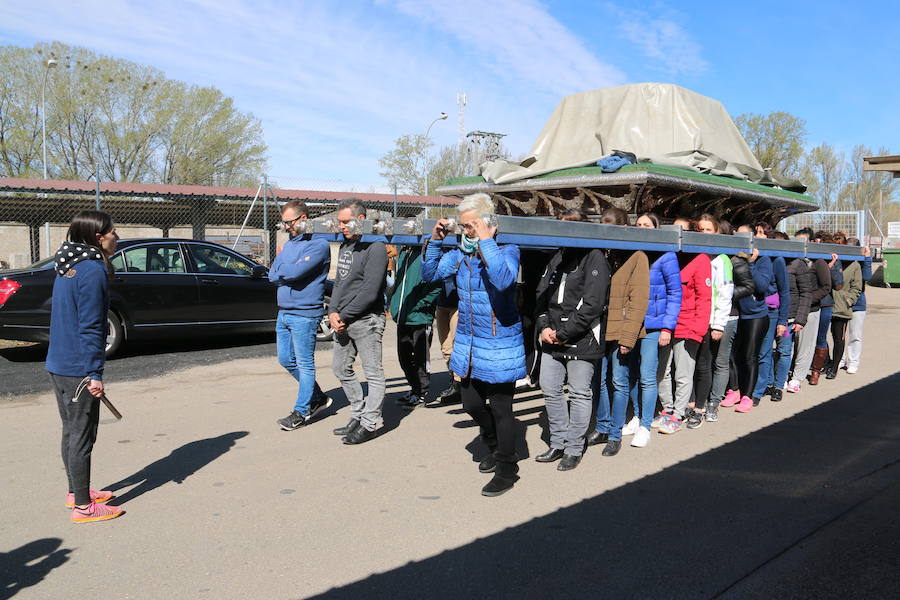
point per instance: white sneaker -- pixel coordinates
(793, 386)
(852, 370)
(641, 437)
(632, 426)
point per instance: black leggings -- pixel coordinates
(496, 422)
(413, 342)
(703, 373)
(838, 336)
(748, 341)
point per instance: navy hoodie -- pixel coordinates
(300, 270)
(754, 305)
(78, 313)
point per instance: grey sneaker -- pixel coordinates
(712, 412)
(293, 421)
(694, 419)
(411, 401)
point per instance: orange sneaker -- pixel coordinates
(95, 512)
(100, 497)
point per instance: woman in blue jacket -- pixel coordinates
(77, 353)
(662, 316)
(488, 349)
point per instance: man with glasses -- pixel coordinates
(300, 271)
(356, 313)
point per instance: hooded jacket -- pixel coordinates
(743, 280)
(754, 306)
(823, 284)
(79, 304)
(665, 293)
(802, 282)
(866, 276)
(846, 297)
(488, 345)
(696, 297)
(629, 293)
(413, 300)
(572, 299)
(722, 291)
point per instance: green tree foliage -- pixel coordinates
(824, 171)
(404, 166)
(124, 120)
(776, 139)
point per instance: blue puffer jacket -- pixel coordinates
(488, 345)
(665, 293)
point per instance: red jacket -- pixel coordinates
(696, 299)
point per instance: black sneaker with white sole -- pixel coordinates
(319, 404)
(694, 419)
(411, 401)
(293, 421)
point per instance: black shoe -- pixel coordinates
(612, 447)
(694, 419)
(568, 462)
(769, 391)
(488, 464)
(776, 396)
(293, 421)
(360, 435)
(497, 485)
(347, 429)
(412, 401)
(755, 401)
(551, 455)
(595, 437)
(449, 396)
(831, 373)
(319, 404)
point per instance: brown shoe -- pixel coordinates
(819, 359)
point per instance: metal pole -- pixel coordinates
(247, 217)
(44, 122)
(395, 200)
(97, 196)
(265, 226)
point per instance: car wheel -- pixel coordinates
(115, 335)
(324, 333)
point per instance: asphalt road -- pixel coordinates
(22, 367)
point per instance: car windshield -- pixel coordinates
(41, 264)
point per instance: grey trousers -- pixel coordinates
(855, 338)
(362, 337)
(682, 354)
(79, 432)
(721, 363)
(569, 419)
(806, 346)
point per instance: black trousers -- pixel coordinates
(748, 341)
(703, 372)
(496, 421)
(839, 337)
(79, 432)
(413, 344)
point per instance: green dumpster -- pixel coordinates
(891, 266)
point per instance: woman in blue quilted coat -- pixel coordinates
(488, 350)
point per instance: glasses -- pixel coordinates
(291, 222)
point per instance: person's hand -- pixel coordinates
(796, 328)
(834, 258)
(336, 323)
(548, 336)
(866, 251)
(779, 331)
(624, 349)
(665, 338)
(715, 335)
(439, 233)
(95, 388)
(753, 255)
(482, 230)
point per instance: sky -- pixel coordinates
(336, 82)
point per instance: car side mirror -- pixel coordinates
(258, 272)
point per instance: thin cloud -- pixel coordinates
(664, 41)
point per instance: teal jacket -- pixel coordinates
(413, 300)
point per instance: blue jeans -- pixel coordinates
(295, 336)
(766, 363)
(824, 326)
(644, 383)
(784, 346)
(612, 421)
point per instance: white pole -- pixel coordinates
(247, 218)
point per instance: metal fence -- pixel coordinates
(33, 225)
(851, 222)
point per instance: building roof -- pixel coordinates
(890, 163)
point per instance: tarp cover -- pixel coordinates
(647, 119)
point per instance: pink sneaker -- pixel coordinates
(100, 497)
(793, 386)
(95, 512)
(732, 397)
(745, 405)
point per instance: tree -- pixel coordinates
(453, 161)
(404, 166)
(776, 139)
(823, 171)
(124, 120)
(865, 190)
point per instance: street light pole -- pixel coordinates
(443, 117)
(49, 64)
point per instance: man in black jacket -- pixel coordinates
(356, 313)
(571, 301)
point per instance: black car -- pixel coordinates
(161, 288)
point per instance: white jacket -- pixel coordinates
(722, 291)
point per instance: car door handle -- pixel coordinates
(209, 281)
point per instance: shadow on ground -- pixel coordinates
(180, 464)
(804, 508)
(27, 565)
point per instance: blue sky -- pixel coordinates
(335, 82)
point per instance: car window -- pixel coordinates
(158, 258)
(118, 262)
(212, 260)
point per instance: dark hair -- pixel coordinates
(355, 205)
(853, 241)
(767, 229)
(571, 214)
(614, 216)
(652, 216)
(86, 225)
(711, 218)
(691, 224)
(779, 235)
(839, 237)
(297, 205)
(725, 227)
(824, 237)
(807, 231)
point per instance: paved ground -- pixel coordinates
(795, 500)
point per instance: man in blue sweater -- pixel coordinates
(300, 271)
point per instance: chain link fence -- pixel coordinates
(33, 223)
(851, 222)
